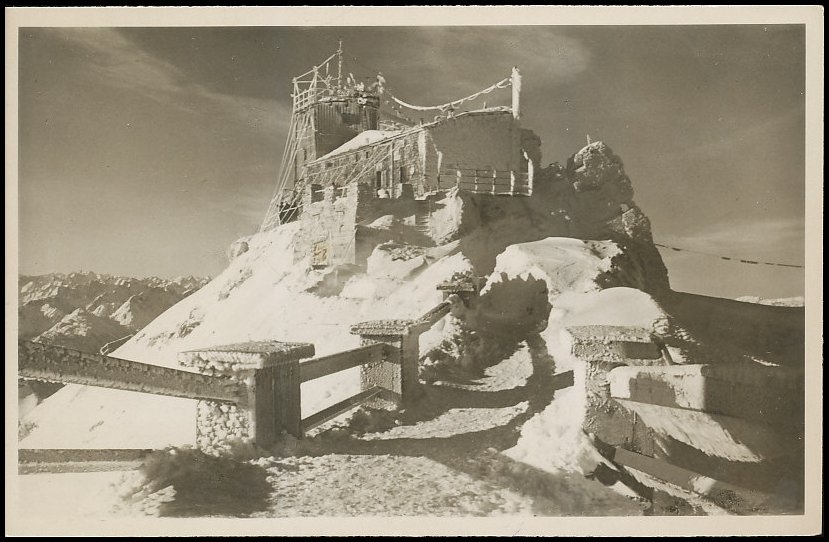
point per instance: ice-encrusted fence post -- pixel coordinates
(270, 402)
(603, 348)
(397, 372)
(466, 288)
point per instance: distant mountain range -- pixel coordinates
(88, 311)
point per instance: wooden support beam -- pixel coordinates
(334, 363)
(315, 420)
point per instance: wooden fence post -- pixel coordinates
(270, 405)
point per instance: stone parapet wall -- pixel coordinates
(729, 423)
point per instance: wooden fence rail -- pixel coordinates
(328, 414)
(334, 363)
(431, 317)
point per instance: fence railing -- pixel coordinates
(487, 181)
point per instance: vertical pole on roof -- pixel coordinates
(340, 64)
(391, 172)
(515, 78)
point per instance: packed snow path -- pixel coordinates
(442, 457)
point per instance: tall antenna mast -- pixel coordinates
(340, 64)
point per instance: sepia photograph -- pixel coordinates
(387, 271)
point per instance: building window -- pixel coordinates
(378, 180)
(402, 174)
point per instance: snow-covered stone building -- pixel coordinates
(350, 160)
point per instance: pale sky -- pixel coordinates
(147, 151)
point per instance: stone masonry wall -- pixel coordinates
(327, 227)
